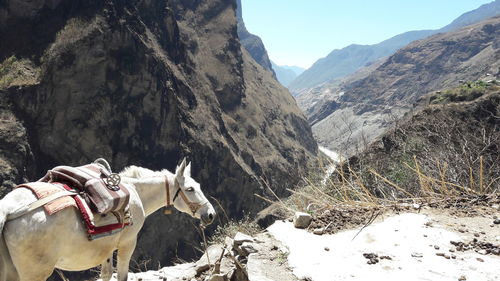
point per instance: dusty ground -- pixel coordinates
(451, 240)
(430, 244)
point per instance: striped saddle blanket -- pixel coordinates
(101, 189)
(97, 225)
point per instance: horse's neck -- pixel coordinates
(152, 191)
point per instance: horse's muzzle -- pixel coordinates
(207, 218)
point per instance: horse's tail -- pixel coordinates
(7, 270)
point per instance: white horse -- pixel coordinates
(34, 244)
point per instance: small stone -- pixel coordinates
(462, 278)
(451, 250)
(416, 206)
(436, 247)
(247, 248)
(228, 242)
(240, 238)
(482, 252)
(496, 221)
(480, 259)
(425, 235)
(217, 277)
(453, 256)
(440, 254)
(417, 255)
(370, 255)
(202, 268)
(327, 249)
(461, 230)
(301, 220)
(476, 234)
(446, 256)
(319, 231)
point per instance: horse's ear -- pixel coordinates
(187, 172)
(179, 172)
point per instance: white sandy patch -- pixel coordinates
(334, 156)
(397, 237)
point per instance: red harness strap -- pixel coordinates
(91, 228)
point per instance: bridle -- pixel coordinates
(193, 206)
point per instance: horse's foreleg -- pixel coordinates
(124, 254)
(107, 269)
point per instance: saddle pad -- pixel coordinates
(43, 189)
(90, 178)
(97, 226)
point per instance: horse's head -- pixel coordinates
(188, 197)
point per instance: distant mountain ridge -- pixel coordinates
(345, 61)
(286, 74)
(350, 115)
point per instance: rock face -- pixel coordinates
(352, 114)
(146, 83)
(348, 60)
(252, 42)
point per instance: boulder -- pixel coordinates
(301, 220)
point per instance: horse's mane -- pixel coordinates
(140, 172)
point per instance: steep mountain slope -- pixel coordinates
(251, 42)
(340, 63)
(285, 74)
(146, 83)
(454, 136)
(356, 112)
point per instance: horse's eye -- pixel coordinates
(190, 189)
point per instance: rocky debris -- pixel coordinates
(484, 248)
(417, 255)
(301, 220)
(496, 221)
(338, 218)
(372, 258)
(240, 238)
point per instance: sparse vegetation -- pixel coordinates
(449, 152)
(467, 91)
(246, 226)
(17, 72)
(74, 30)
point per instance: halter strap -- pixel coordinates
(167, 187)
(194, 207)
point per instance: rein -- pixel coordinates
(193, 206)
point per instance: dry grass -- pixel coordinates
(246, 226)
(348, 188)
(18, 72)
(74, 31)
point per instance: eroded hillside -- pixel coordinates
(146, 83)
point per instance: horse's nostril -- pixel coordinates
(211, 217)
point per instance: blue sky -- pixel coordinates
(299, 32)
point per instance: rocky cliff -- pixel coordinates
(146, 83)
(252, 43)
(354, 113)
